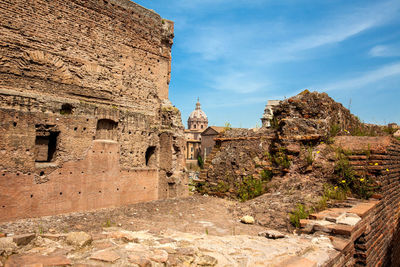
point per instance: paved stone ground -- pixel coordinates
(196, 231)
(117, 247)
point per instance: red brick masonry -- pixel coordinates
(367, 233)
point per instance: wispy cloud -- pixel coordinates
(364, 79)
(385, 51)
(196, 4)
(237, 102)
(349, 24)
(238, 82)
(267, 42)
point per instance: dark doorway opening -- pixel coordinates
(150, 156)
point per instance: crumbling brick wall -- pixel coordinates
(238, 153)
(298, 123)
(83, 103)
(378, 157)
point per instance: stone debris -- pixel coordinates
(247, 219)
(175, 249)
(105, 255)
(348, 219)
(79, 239)
(7, 246)
(159, 255)
(37, 260)
(22, 240)
(271, 234)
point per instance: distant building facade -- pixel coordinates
(269, 113)
(207, 139)
(197, 123)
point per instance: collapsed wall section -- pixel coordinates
(83, 105)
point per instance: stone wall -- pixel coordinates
(85, 118)
(238, 153)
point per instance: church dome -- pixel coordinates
(198, 113)
(198, 119)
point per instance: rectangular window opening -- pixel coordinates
(45, 146)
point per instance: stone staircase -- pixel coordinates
(346, 227)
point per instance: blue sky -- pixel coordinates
(237, 54)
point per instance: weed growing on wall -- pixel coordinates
(309, 156)
(334, 192)
(362, 186)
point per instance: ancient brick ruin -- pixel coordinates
(295, 157)
(373, 239)
(85, 120)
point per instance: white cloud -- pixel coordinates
(385, 51)
(364, 79)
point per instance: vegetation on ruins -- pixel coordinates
(300, 212)
(334, 192)
(361, 185)
(250, 187)
(389, 130)
(274, 123)
(227, 127)
(334, 130)
(200, 162)
(266, 175)
(281, 159)
(309, 155)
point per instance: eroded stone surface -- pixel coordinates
(79, 239)
(105, 255)
(177, 249)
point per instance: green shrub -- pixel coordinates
(334, 192)
(362, 186)
(250, 188)
(300, 212)
(389, 130)
(201, 187)
(344, 172)
(266, 175)
(334, 130)
(222, 187)
(281, 159)
(321, 204)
